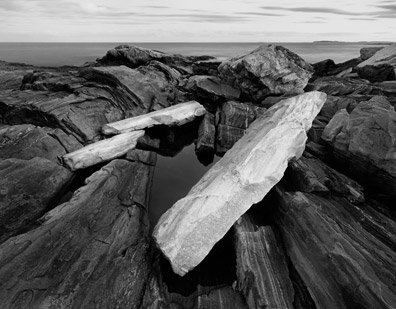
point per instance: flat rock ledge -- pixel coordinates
(188, 231)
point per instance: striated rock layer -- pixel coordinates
(262, 270)
(344, 253)
(188, 231)
(90, 252)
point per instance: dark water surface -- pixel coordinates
(173, 179)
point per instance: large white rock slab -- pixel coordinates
(175, 115)
(188, 231)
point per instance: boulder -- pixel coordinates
(28, 188)
(269, 69)
(365, 140)
(138, 91)
(210, 88)
(329, 68)
(380, 67)
(368, 52)
(189, 230)
(262, 271)
(90, 252)
(344, 253)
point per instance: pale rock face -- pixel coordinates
(171, 116)
(270, 69)
(189, 230)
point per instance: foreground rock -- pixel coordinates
(176, 115)
(344, 253)
(380, 67)
(188, 231)
(262, 270)
(90, 252)
(270, 69)
(365, 141)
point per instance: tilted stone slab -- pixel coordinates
(188, 231)
(175, 115)
(102, 151)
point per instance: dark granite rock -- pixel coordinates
(205, 143)
(232, 119)
(344, 253)
(262, 271)
(270, 69)
(27, 189)
(90, 252)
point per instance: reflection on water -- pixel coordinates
(173, 179)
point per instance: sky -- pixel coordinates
(196, 20)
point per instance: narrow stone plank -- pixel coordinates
(175, 115)
(189, 230)
(102, 151)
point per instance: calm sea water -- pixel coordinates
(57, 54)
(173, 177)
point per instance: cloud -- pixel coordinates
(213, 18)
(260, 14)
(387, 10)
(322, 10)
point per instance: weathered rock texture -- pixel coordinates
(344, 253)
(380, 67)
(189, 230)
(90, 252)
(205, 143)
(102, 151)
(270, 69)
(27, 190)
(262, 271)
(365, 140)
(233, 118)
(176, 115)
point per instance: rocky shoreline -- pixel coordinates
(323, 237)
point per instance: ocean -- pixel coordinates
(58, 54)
